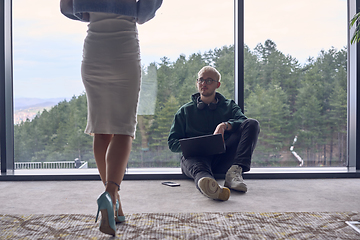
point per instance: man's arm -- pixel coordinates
(237, 117)
(177, 131)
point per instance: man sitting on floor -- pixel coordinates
(209, 112)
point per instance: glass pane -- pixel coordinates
(50, 103)
(296, 81)
(175, 45)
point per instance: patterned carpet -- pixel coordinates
(289, 225)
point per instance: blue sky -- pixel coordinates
(48, 46)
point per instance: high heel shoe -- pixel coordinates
(107, 224)
(118, 219)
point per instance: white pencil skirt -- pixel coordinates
(111, 74)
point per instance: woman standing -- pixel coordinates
(111, 73)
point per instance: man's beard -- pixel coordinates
(207, 94)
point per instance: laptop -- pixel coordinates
(202, 146)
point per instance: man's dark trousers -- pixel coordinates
(239, 149)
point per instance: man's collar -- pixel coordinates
(218, 95)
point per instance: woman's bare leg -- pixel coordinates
(100, 147)
(116, 161)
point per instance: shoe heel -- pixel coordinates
(97, 215)
(118, 219)
(105, 206)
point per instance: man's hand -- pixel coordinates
(221, 128)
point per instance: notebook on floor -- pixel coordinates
(202, 146)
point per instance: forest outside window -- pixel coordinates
(295, 86)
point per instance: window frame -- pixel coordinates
(6, 89)
(7, 119)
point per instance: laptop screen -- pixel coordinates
(202, 145)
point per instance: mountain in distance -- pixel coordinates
(23, 103)
(27, 108)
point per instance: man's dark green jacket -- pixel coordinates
(189, 121)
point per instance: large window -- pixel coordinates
(295, 80)
(50, 102)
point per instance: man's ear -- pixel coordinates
(218, 84)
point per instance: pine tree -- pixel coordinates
(163, 123)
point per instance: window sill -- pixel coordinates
(175, 173)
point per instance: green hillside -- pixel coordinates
(308, 101)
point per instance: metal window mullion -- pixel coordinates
(239, 53)
(353, 93)
(6, 88)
